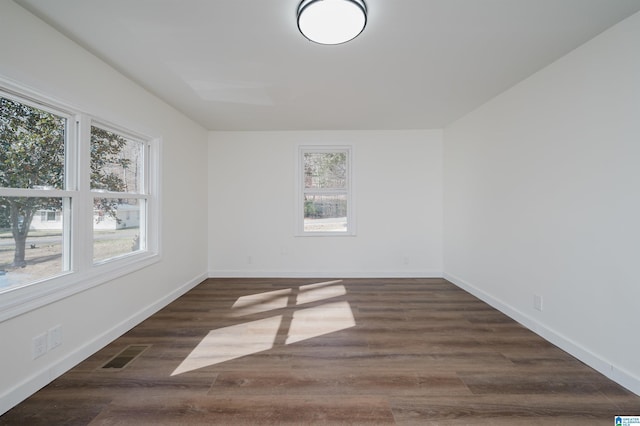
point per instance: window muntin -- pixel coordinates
(324, 205)
(54, 163)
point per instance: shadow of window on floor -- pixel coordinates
(292, 325)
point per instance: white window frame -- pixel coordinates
(143, 195)
(82, 272)
(301, 191)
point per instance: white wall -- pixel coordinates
(398, 196)
(541, 198)
(35, 55)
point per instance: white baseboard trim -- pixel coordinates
(618, 375)
(231, 273)
(43, 377)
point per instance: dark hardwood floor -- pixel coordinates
(357, 351)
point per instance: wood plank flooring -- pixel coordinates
(357, 351)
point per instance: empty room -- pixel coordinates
(319, 212)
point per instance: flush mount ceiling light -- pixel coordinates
(331, 21)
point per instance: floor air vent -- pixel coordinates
(125, 357)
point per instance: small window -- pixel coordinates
(324, 204)
(48, 216)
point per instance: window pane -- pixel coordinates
(116, 162)
(31, 246)
(31, 147)
(116, 227)
(325, 213)
(327, 170)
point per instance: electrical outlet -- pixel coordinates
(55, 337)
(537, 302)
(39, 346)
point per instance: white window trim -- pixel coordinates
(299, 187)
(150, 176)
(83, 273)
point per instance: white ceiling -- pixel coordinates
(243, 65)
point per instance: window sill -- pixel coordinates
(20, 300)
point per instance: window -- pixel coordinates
(34, 142)
(117, 187)
(48, 216)
(77, 201)
(324, 205)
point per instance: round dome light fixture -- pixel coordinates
(331, 21)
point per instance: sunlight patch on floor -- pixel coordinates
(318, 321)
(225, 344)
(320, 291)
(261, 302)
(236, 341)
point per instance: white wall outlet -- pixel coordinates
(537, 302)
(39, 346)
(405, 260)
(55, 337)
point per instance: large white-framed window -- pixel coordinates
(119, 188)
(324, 202)
(78, 200)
